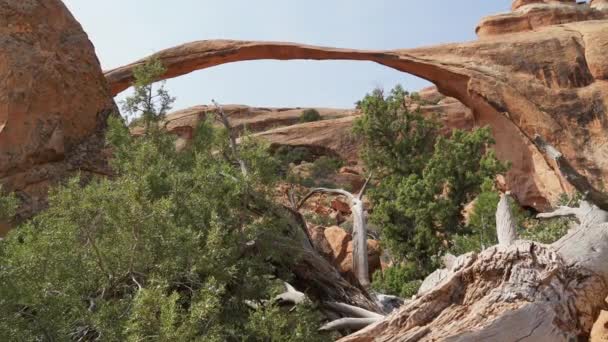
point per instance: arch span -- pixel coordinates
(521, 85)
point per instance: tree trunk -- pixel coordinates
(360, 261)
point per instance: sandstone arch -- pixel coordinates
(520, 84)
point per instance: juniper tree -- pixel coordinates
(424, 178)
(174, 247)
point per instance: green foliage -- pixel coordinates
(325, 166)
(288, 154)
(544, 231)
(273, 324)
(426, 179)
(310, 115)
(401, 280)
(158, 252)
(480, 232)
(8, 205)
(148, 104)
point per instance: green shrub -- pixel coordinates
(325, 166)
(425, 179)
(545, 231)
(287, 155)
(402, 280)
(155, 252)
(310, 115)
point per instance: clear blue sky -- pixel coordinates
(126, 30)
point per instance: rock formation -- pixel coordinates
(54, 100)
(336, 245)
(550, 81)
(530, 15)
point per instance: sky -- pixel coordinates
(126, 30)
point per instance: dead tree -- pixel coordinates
(360, 261)
(232, 137)
(515, 291)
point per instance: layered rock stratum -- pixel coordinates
(54, 99)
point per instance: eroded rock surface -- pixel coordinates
(528, 15)
(54, 100)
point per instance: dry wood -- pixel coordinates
(360, 261)
(505, 223)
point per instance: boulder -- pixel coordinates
(340, 206)
(338, 240)
(373, 258)
(54, 100)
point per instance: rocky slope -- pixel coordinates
(54, 99)
(332, 135)
(549, 81)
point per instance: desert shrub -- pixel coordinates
(310, 115)
(157, 252)
(401, 280)
(425, 179)
(325, 166)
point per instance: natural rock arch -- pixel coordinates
(483, 75)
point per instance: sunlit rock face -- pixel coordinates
(528, 15)
(54, 99)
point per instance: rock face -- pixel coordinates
(530, 15)
(54, 100)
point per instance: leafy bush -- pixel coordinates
(545, 231)
(402, 280)
(289, 154)
(8, 205)
(325, 166)
(425, 178)
(157, 252)
(310, 115)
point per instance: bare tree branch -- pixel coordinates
(587, 214)
(232, 136)
(315, 191)
(291, 296)
(360, 258)
(362, 191)
(349, 324)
